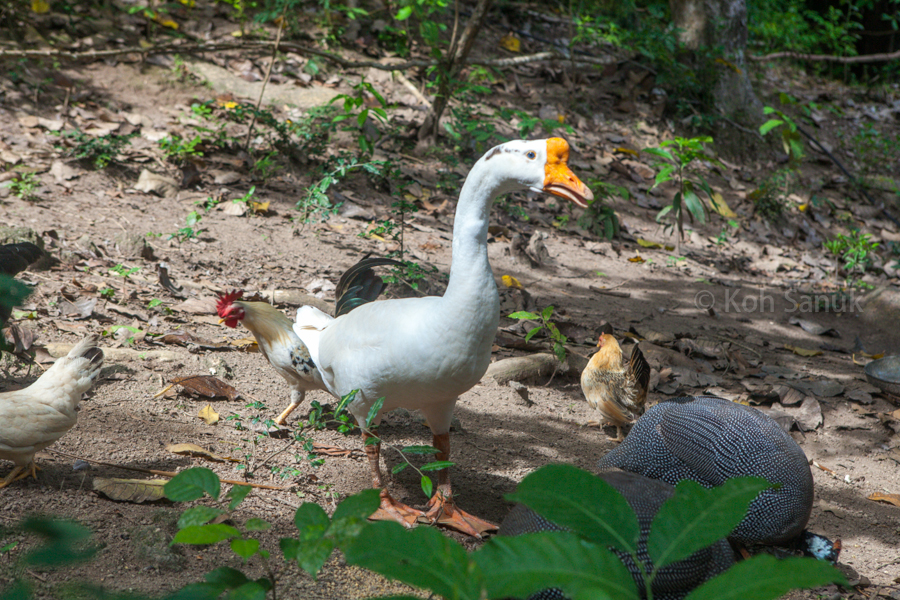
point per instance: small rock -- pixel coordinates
(133, 245)
(522, 390)
(217, 366)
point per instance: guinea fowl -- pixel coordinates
(645, 496)
(616, 388)
(423, 353)
(708, 440)
(274, 332)
(34, 417)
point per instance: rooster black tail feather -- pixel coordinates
(359, 284)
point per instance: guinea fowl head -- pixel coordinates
(230, 313)
(545, 168)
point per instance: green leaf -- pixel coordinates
(358, 506)
(245, 548)
(666, 210)
(524, 314)
(581, 502)
(547, 313)
(427, 486)
(197, 591)
(345, 400)
(524, 565)
(692, 201)
(665, 174)
(205, 534)
(252, 590)
(198, 515)
(190, 484)
(399, 467)
(310, 554)
(419, 450)
(255, 524)
(696, 517)
(661, 152)
(373, 412)
(237, 493)
(311, 520)
(436, 465)
(764, 577)
(404, 13)
(421, 557)
(226, 577)
(531, 333)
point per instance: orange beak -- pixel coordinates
(559, 180)
(221, 321)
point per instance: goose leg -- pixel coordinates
(441, 508)
(390, 509)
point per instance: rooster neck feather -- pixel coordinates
(267, 324)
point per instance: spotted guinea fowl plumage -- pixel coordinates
(645, 496)
(709, 440)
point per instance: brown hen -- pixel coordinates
(616, 388)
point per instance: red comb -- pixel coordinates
(225, 301)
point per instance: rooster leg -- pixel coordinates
(19, 473)
(390, 509)
(441, 508)
(296, 399)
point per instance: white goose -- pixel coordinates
(423, 353)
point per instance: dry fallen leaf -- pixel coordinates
(511, 282)
(802, 351)
(719, 205)
(207, 386)
(511, 43)
(636, 259)
(198, 452)
(648, 243)
(889, 498)
(131, 490)
(334, 450)
(209, 415)
(245, 344)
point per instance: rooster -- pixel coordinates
(616, 389)
(275, 335)
(14, 258)
(34, 417)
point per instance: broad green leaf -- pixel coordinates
(404, 13)
(692, 201)
(198, 515)
(205, 534)
(696, 517)
(436, 465)
(373, 412)
(581, 502)
(255, 524)
(245, 548)
(345, 400)
(427, 486)
(311, 521)
(765, 577)
(64, 542)
(196, 591)
(358, 506)
(419, 450)
(524, 314)
(547, 313)
(421, 557)
(664, 212)
(237, 493)
(226, 577)
(190, 484)
(399, 467)
(659, 152)
(768, 110)
(523, 565)
(252, 590)
(310, 554)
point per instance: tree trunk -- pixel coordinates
(723, 24)
(449, 69)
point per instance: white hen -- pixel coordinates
(34, 417)
(423, 353)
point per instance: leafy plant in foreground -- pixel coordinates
(855, 250)
(23, 186)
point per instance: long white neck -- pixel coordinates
(470, 271)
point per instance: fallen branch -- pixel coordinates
(594, 288)
(866, 58)
(161, 473)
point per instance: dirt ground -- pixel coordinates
(756, 277)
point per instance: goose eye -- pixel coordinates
(531, 155)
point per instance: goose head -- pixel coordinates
(537, 165)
